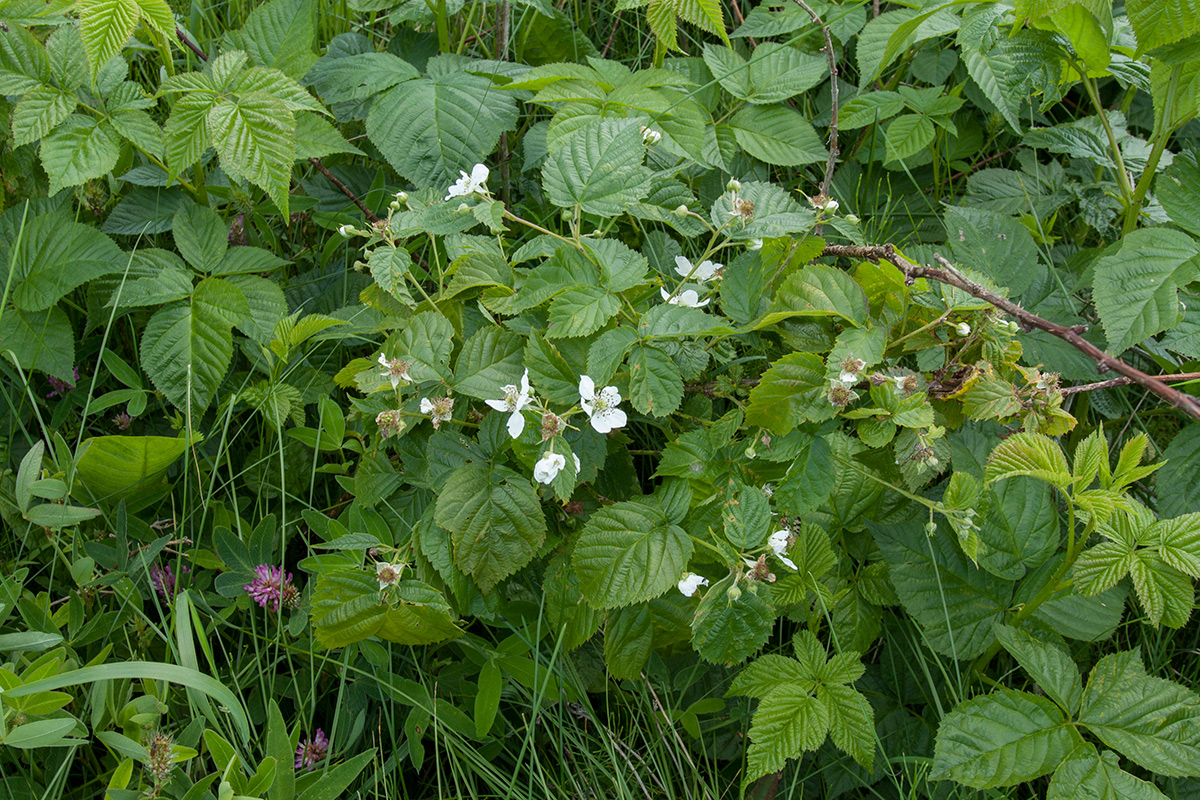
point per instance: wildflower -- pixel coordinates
(741, 208)
(769, 490)
(345, 230)
(439, 409)
(754, 244)
(703, 273)
(394, 370)
(650, 136)
(823, 202)
(690, 582)
(602, 406)
(162, 580)
(311, 751)
(272, 586)
(552, 425)
(550, 464)
(851, 367)
(390, 423)
(779, 542)
(963, 329)
(237, 231)
(840, 395)
(467, 185)
(387, 574)
(160, 761)
(688, 297)
(515, 400)
(122, 421)
(758, 570)
(61, 387)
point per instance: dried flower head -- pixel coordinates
(552, 425)
(61, 387)
(390, 423)
(759, 570)
(742, 209)
(160, 749)
(840, 395)
(162, 580)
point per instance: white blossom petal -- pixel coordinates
(690, 582)
(548, 467)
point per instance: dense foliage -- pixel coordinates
(520, 399)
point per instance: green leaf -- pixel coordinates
(23, 63)
(426, 341)
(655, 385)
(1021, 530)
(316, 138)
(746, 516)
(599, 168)
(997, 245)
(790, 392)
(777, 135)
(200, 236)
(908, 135)
(77, 151)
(1098, 776)
(347, 608)
(56, 517)
(1178, 189)
(819, 290)
(955, 602)
(992, 72)
(851, 721)
(1178, 482)
(255, 136)
(733, 621)
(185, 136)
(1002, 739)
(489, 359)
(788, 721)
(495, 521)
(627, 640)
(39, 733)
(278, 34)
(580, 311)
(1159, 22)
(550, 372)
(359, 76)
(628, 553)
(1153, 722)
(105, 26)
(187, 347)
(39, 112)
(1136, 287)
(56, 256)
(1031, 454)
(40, 341)
(122, 467)
(868, 108)
(430, 129)
(779, 71)
(1051, 668)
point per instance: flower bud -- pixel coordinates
(681, 211)
(733, 593)
(734, 185)
(963, 329)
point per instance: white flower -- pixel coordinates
(779, 543)
(602, 406)
(703, 273)
(831, 205)
(394, 370)
(754, 244)
(475, 183)
(515, 400)
(387, 574)
(690, 582)
(963, 329)
(688, 297)
(848, 378)
(650, 136)
(345, 230)
(439, 410)
(547, 469)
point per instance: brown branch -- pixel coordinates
(612, 35)
(950, 276)
(833, 93)
(1111, 382)
(189, 44)
(344, 189)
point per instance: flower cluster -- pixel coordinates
(272, 587)
(162, 580)
(311, 751)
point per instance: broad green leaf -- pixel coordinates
(792, 391)
(278, 34)
(496, 524)
(488, 360)
(1099, 777)
(1087, 37)
(426, 342)
(121, 467)
(746, 516)
(266, 305)
(607, 352)
(655, 386)
(39, 733)
(789, 721)
(775, 213)
(1021, 531)
(105, 26)
(580, 311)
(599, 168)
(767, 673)
(23, 63)
(777, 135)
(347, 608)
(255, 136)
(820, 290)
(56, 255)
(77, 151)
(627, 638)
(1031, 454)
(778, 72)
(359, 76)
(430, 129)
(1136, 287)
(1001, 739)
(1051, 668)
(389, 265)
(955, 602)
(868, 108)
(1178, 189)
(200, 236)
(185, 135)
(316, 138)
(851, 721)
(628, 553)
(992, 71)
(39, 112)
(908, 135)
(997, 245)
(566, 608)
(550, 373)
(57, 517)
(1164, 592)
(1159, 22)
(1178, 482)
(733, 621)
(1153, 722)
(41, 340)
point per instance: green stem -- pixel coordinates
(1122, 173)
(1160, 144)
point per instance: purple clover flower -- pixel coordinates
(162, 580)
(272, 587)
(311, 751)
(60, 387)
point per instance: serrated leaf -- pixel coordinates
(580, 311)
(788, 722)
(908, 135)
(628, 553)
(105, 26)
(347, 608)
(40, 340)
(733, 621)
(39, 112)
(187, 347)
(359, 76)
(820, 290)
(655, 386)
(1001, 739)
(185, 136)
(255, 137)
(792, 391)
(851, 721)
(599, 168)
(1052, 669)
(1098, 777)
(777, 135)
(627, 639)
(1031, 454)
(1159, 22)
(56, 255)
(494, 518)
(1136, 287)
(77, 151)
(488, 360)
(278, 34)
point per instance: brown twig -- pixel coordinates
(947, 273)
(1123, 381)
(316, 162)
(833, 93)
(612, 35)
